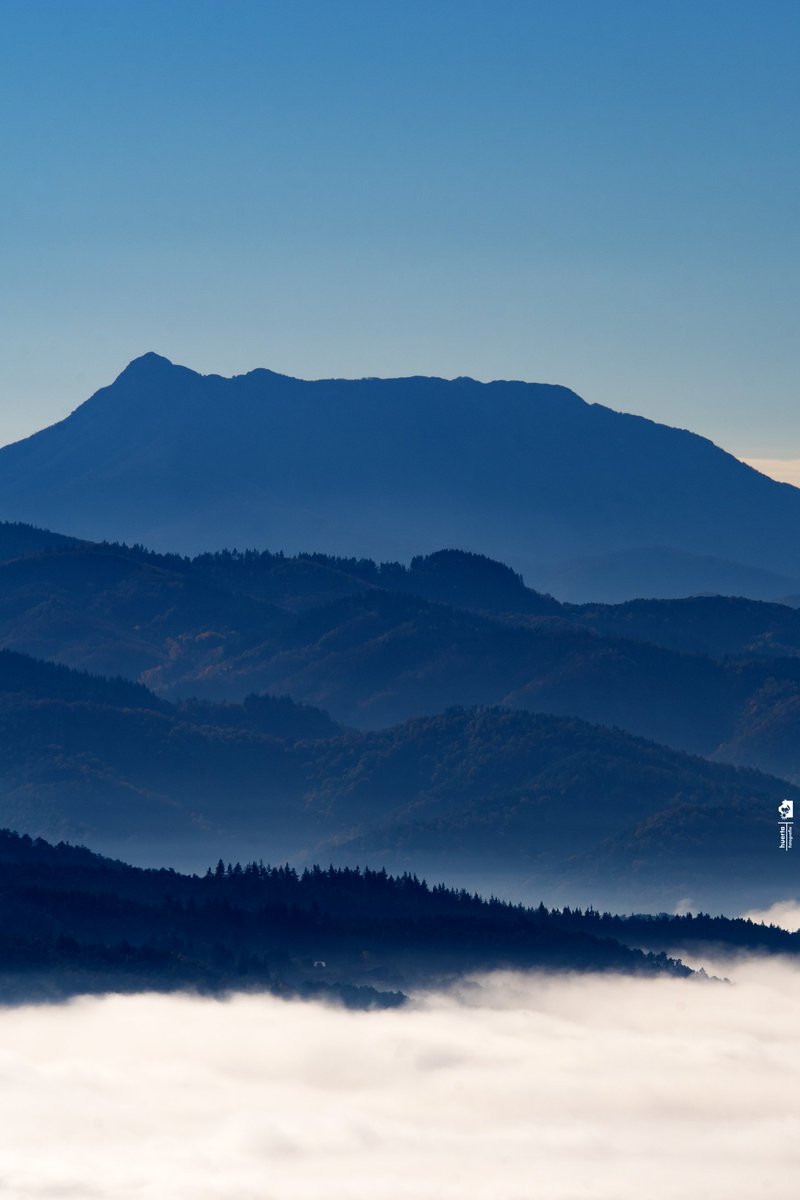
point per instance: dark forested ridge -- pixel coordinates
(74, 922)
(374, 644)
(530, 472)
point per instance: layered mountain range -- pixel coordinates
(585, 501)
(377, 644)
(395, 695)
(521, 803)
(475, 729)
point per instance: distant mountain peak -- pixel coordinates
(385, 468)
(147, 364)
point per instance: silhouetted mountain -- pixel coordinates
(483, 795)
(393, 467)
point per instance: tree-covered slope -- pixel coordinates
(74, 922)
(380, 643)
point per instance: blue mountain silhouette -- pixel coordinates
(573, 495)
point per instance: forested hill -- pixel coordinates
(549, 804)
(115, 580)
(374, 644)
(74, 922)
(391, 467)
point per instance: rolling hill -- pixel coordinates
(380, 643)
(536, 805)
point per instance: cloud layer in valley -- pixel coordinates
(784, 913)
(511, 1087)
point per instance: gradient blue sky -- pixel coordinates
(600, 194)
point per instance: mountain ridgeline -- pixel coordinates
(590, 502)
(375, 644)
(74, 922)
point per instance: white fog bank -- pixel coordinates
(515, 1088)
(785, 913)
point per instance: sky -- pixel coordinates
(598, 193)
(571, 1087)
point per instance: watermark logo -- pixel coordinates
(786, 825)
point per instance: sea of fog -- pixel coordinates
(508, 1087)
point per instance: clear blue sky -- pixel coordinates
(602, 194)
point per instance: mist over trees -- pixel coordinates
(73, 922)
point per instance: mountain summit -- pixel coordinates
(528, 473)
(148, 364)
